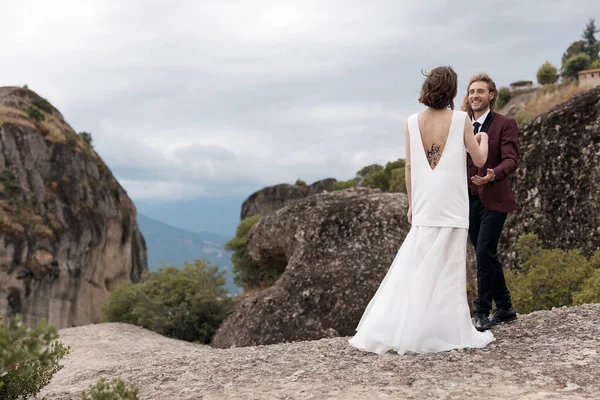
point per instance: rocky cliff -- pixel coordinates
(335, 249)
(68, 231)
(557, 182)
(270, 199)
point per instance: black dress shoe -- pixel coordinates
(482, 323)
(501, 315)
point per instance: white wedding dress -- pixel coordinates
(421, 305)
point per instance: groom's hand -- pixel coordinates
(479, 180)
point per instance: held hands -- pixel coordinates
(478, 180)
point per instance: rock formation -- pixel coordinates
(270, 199)
(68, 231)
(337, 247)
(557, 182)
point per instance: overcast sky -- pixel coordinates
(191, 98)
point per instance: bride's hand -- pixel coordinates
(481, 135)
(409, 215)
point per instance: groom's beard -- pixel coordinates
(481, 105)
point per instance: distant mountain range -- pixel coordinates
(220, 215)
(168, 245)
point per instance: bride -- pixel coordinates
(421, 304)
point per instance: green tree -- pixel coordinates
(398, 181)
(29, 358)
(547, 74)
(350, 183)
(388, 179)
(504, 96)
(595, 64)
(248, 274)
(378, 179)
(592, 46)
(575, 64)
(368, 170)
(116, 390)
(187, 304)
(395, 170)
(575, 48)
(392, 165)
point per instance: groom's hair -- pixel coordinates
(481, 77)
(439, 89)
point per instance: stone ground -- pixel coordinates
(543, 355)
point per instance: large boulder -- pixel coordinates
(557, 181)
(335, 248)
(272, 198)
(68, 230)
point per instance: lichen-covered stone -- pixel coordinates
(336, 248)
(557, 181)
(271, 198)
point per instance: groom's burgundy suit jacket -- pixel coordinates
(503, 156)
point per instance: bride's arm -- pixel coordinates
(407, 169)
(478, 151)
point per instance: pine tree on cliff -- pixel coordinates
(591, 46)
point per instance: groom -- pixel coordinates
(490, 199)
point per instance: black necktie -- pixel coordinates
(476, 125)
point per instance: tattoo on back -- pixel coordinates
(434, 155)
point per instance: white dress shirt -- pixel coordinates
(481, 119)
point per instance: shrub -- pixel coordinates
(247, 273)
(87, 137)
(300, 182)
(42, 104)
(504, 96)
(547, 74)
(575, 64)
(590, 290)
(340, 185)
(71, 141)
(187, 304)
(9, 180)
(34, 112)
(29, 358)
(116, 390)
(595, 64)
(548, 278)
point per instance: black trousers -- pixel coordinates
(485, 227)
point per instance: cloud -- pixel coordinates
(193, 98)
